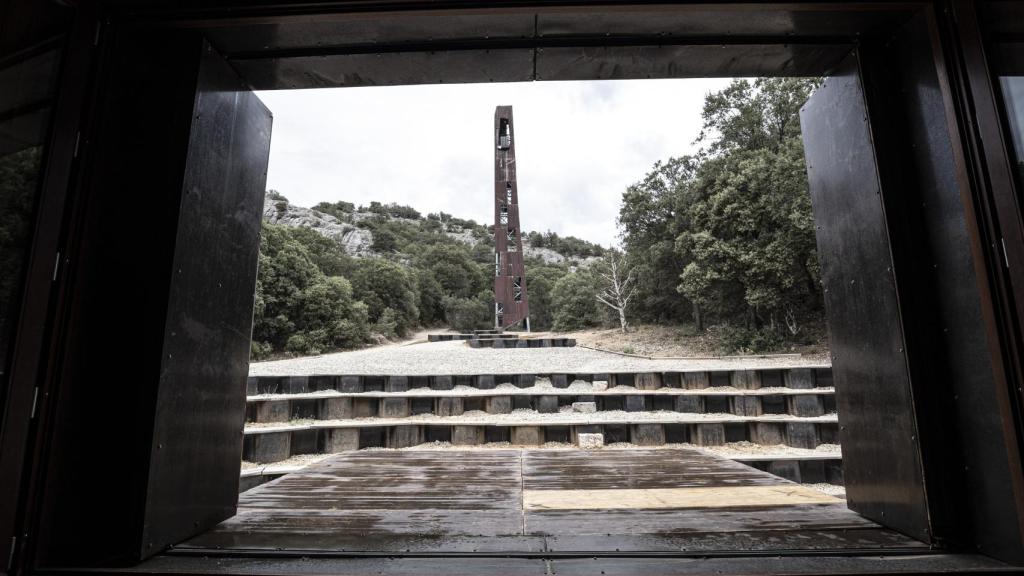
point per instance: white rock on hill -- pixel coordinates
(356, 241)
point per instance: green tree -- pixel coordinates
(326, 253)
(298, 308)
(384, 241)
(453, 268)
(575, 301)
(540, 284)
(474, 313)
(752, 237)
(431, 298)
(650, 217)
(758, 115)
(749, 233)
(386, 285)
(728, 233)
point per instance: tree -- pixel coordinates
(541, 280)
(384, 241)
(752, 241)
(386, 285)
(574, 302)
(758, 115)
(298, 308)
(326, 253)
(650, 217)
(727, 234)
(467, 314)
(453, 267)
(431, 297)
(618, 287)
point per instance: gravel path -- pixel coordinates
(458, 358)
(525, 417)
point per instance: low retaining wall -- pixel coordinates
(798, 378)
(522, 343)
(276, 444)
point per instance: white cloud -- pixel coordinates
(578, 145)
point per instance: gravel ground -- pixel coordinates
(543, 386)
(459, 358)
(730, 450)
(830, 489)
(300, 461)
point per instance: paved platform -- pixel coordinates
(522, 502)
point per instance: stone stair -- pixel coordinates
(474, 335)
(294, 415)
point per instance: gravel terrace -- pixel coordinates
(431, 358)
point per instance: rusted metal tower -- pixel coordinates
(510, 303)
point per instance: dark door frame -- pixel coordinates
(989, 200)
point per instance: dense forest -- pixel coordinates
(723, 238)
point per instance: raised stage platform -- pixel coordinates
(539, 513)
(539, 501)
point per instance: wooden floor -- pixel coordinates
(523, 502)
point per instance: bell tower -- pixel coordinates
(510, 303)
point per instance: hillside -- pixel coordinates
(353, 228)
(338, 276)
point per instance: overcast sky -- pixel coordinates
(578, 145)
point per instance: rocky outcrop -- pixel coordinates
(356, 241)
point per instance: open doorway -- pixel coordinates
(182, 489)
(451, 400)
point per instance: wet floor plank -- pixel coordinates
(473, 501)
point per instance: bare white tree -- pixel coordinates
(618, 286)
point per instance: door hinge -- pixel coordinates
(10, 555)
(35, 400)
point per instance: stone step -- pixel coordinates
(802, 469)
(802, 378)
(806, 468)
(317, 406)
(268, 444)
(486, 342)
(473, 336)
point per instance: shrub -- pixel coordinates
(386, 324)
(466, 314)
(260, 350)
(740, 339)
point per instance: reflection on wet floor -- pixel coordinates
(497, 500)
